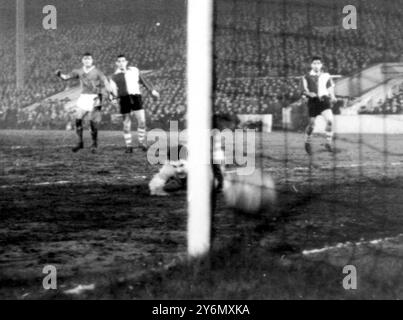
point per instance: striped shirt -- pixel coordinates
(319, 83)
(127, 82)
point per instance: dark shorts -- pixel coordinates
(175, 184)
(317, 105)
(130, 103)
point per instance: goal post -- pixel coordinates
(199, 115)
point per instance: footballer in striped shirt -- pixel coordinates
(125, 86)
(318, 89)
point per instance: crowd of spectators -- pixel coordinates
(157, 45)
(392, 105)
(261, 49)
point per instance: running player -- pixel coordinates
(318, 88)
(125, 85)
(94, 85)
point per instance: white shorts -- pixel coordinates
(327, 115)
(86, 102)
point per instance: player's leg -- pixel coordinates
(328, 116)
(80, 115)
(218, 162)
(137, 107)
(141, 128)
(313, 112)
(85, 105)
(308, 134)
(125, 110)
(127, 132)
(95, 120)
(218, 177)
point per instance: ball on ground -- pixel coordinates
(250, 194)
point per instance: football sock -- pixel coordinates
(329, 137)
(141, 135)
(79, 130)
(218, 176)
(308, 134)
(128, 139)
(218, 151)
(94, 133)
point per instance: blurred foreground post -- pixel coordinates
(199, 79)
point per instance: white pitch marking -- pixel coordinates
(51, 183)
(140, 177)
(80, 289)
(41, 184)
(357, 165)
(50, 147)
(301, 169)
(349, 244)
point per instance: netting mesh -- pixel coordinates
(340, 207)
(93, 215)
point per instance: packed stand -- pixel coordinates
(261, 50)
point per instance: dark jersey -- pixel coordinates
(92, 82)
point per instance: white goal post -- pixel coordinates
(199, 115)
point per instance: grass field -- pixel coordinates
(92, 218)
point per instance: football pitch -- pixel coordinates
(91, 216)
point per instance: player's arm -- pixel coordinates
(103, 87)
(113, 89)
(68, 76)
(330, 88)
(149, 86)
(106, 84)
(305, 89)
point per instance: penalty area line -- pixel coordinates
(349, 244)
(38, 184)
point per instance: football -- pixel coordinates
(250, 194)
